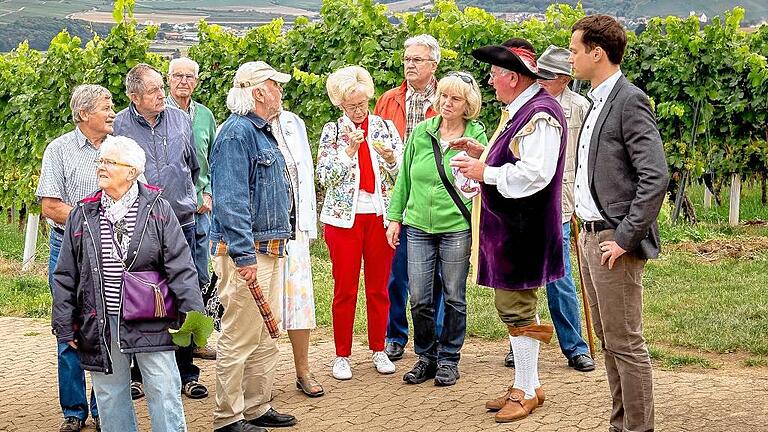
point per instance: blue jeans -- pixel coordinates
(451, 252)
(71, 376)
(187, 369)
(162, 387)
(200, 250)
(564, 305)
(397, 328)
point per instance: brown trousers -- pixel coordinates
(616, 302)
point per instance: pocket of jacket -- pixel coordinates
(620, 208)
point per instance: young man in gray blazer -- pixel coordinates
(621, 179)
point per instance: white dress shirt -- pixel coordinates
(536, 166)
(586, 209)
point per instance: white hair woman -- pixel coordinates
(100, 307)
(357, 162)
(435, 204)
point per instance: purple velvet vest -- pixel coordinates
(521, 240)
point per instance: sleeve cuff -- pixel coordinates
(345, 159)
(491, 175)
(245, 260)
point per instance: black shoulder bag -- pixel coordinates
(448, 186)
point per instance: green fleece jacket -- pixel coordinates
(419, 193)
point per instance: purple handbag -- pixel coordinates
(146, 297)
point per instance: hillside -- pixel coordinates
(39, 20)
(756, 10)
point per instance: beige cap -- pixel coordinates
(253, 73)
(555, 60)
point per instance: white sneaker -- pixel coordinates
(342, 369)
(383, 364)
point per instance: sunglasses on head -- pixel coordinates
(467, 78)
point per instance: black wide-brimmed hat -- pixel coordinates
(516, 59)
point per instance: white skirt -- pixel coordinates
(298, 300)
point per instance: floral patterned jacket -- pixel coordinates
(340, 175)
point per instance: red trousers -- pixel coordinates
(365, 241)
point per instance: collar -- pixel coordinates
(601, 92)
(522, 99)
(82, 141)
(140, 118)
(428, 92)
(172, 102)
(256, 120)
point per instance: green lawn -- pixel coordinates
(690, 303)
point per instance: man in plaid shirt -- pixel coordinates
(68, 175)
(406, 106)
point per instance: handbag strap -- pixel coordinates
(448, 186)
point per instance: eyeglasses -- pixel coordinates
(110, 163)
(495, 75)
(362, 106)
(467, 78)
(418, 61)
(183, 77)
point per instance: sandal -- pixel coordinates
(137, 390)
(194, 390)
(307, 383)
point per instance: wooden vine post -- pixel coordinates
(735, 199)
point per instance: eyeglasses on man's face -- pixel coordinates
(183, 77)
(496, 73)
(110, 163)
(467, 78)
(418, 61)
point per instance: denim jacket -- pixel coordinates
(249, 180)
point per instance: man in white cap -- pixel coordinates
(250, 228)
(561, 294)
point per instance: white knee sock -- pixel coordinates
(526, 364)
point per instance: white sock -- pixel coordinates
(537, 383)
(526, 364)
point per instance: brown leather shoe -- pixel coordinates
(516, 407)
(204, 353)
(499, 402)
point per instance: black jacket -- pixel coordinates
(627, 169)
(79, 307)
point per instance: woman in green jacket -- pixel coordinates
(437, 229)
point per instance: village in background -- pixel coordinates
(37, 21)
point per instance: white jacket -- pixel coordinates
(295, 133)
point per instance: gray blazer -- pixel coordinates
(628, 173)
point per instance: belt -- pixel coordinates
(595, 226)
(58, 230)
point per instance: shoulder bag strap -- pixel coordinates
(448, 186)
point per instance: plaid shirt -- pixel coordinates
(416, 105)
(68, 171)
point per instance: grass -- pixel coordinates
(719, 306)
(671, 360)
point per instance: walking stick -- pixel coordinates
(584, 302)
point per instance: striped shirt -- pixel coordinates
(111, 264)
(68, 171)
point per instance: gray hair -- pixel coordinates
(134, 80)
(130, 152)
(85, 97)
(343, 82)
(428, 41)
(240, 99)
(178, 61)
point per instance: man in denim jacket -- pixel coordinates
(251, 225)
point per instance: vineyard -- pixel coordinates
(708, 84)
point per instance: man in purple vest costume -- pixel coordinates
(517, 232)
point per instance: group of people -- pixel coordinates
(415, 194)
